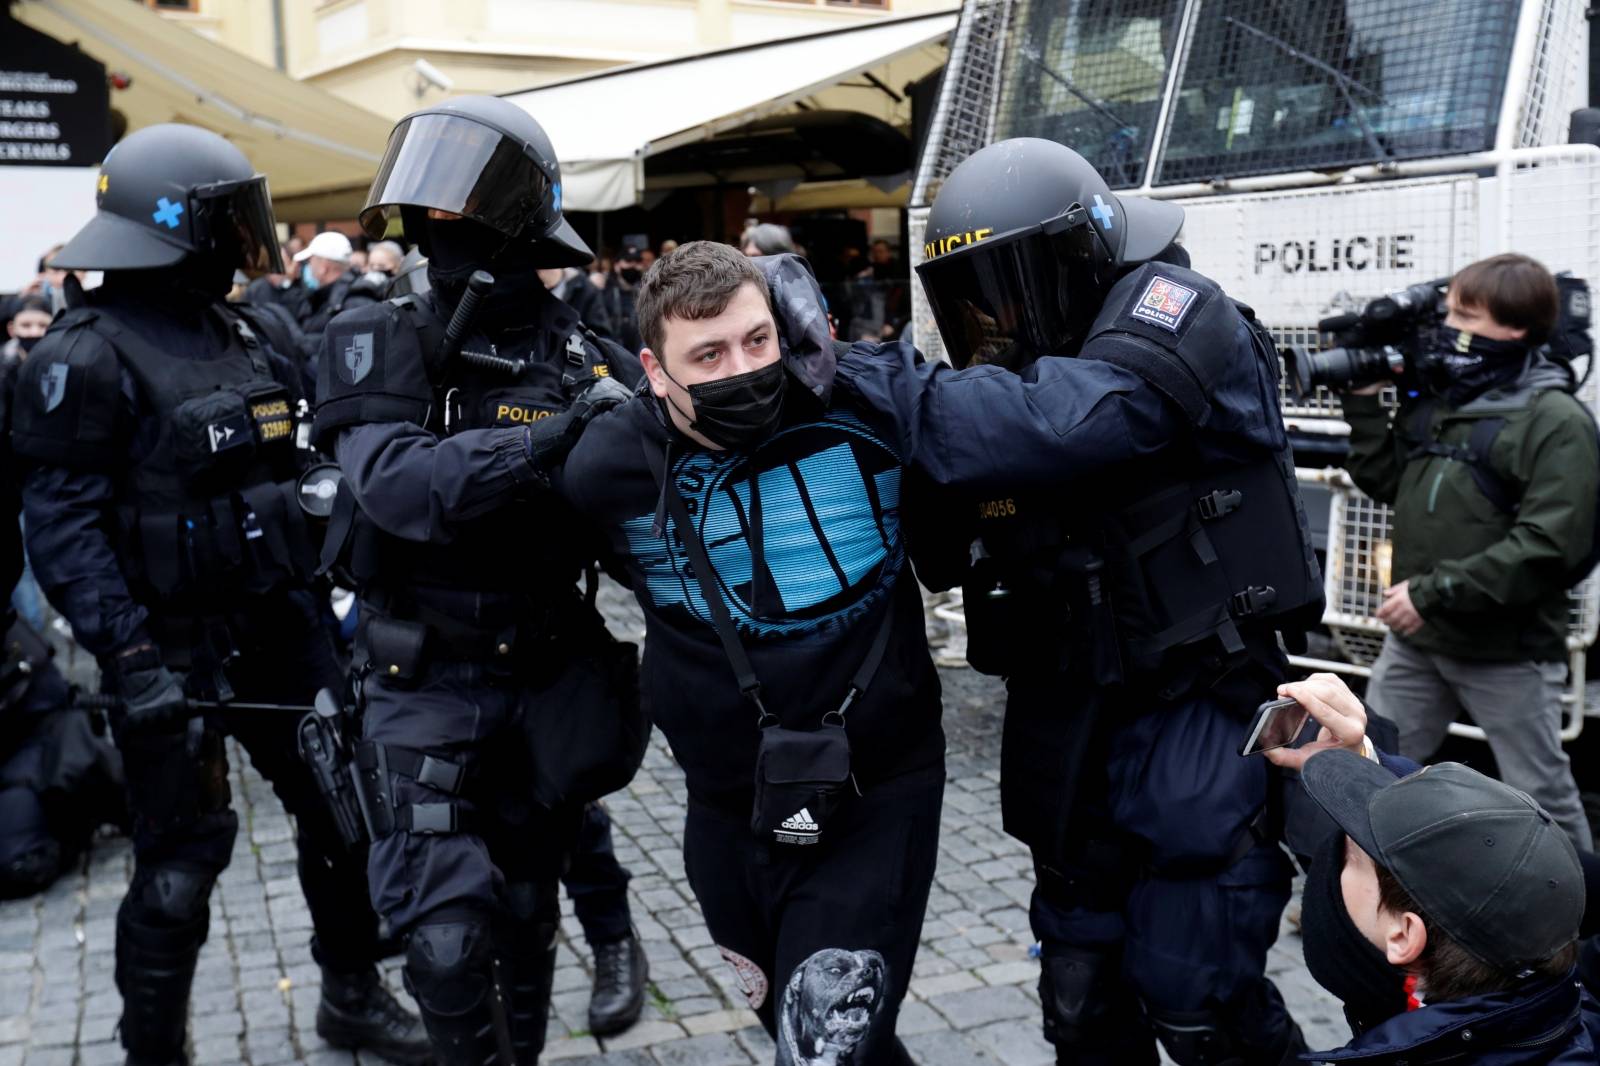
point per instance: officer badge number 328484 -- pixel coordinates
(1164, 302)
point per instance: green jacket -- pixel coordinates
(1489, 585)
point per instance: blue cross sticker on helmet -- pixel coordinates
(167, 213)
(555, 197)
(1102, 212)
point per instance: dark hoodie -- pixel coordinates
(829, 566)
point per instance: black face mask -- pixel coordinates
(459, 247)
(738, 412)
(1459, 366)
(630, 275)
(27, 343)
(1339, 957)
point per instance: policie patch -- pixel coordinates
(1164, 302)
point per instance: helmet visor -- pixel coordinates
(239, 214)
(1009, 300)
(450, 163)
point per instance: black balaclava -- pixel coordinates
(1459, 366)
(457, 247)
(186, 288)
(1339, 957)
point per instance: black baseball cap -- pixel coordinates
(1485, 862)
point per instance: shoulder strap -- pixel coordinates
(1496, 487)
(722, 620)
(430, 330)
(585, 361)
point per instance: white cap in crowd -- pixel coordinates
(328, 245)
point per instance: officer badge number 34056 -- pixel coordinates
(1164, 303)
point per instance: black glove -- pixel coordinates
(152, 696)
(546, 443)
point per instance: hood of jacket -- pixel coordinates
(1539, 373)
(802, 315)
(1539, 1024)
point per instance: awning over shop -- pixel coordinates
(605, 125)
(318, 151)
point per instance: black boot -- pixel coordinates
(620, 973)
(154, 970)
(358, 1012)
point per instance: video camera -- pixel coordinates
(1384, 341)
(1372, 345)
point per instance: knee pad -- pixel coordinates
(170, 894)
(449, 965)
(1075, 990)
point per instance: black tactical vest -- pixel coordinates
(514, 569)
(1171, 571)
(209, 512)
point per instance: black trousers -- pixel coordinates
(597, 883)
(178, 791)
(458, 712)
(822, 937)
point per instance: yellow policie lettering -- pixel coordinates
(515, 413)
(997, 508)
(602, 371)
(934, 249)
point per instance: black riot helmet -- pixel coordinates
(1022, 244)
(172, 191)
(482, 158)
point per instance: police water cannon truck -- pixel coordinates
(1327, 153)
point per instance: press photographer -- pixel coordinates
(1492, 467)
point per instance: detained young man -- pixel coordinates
(755, 499)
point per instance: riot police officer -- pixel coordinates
(1136, 616)
(161, 523)
(444, 411)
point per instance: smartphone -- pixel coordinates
(1277, 723)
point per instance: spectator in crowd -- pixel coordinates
(600, 271)
(30, 317)
(878, 298)
(646, 258)
(668, 246)
(1445, 912)
(49, 283)
(334, 285)
(358, 260)
(281, 289)
(766, 238)
(1493, 473)
(384, 258)
(618, 296)
(572, 287)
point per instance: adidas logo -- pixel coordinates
(801, 822)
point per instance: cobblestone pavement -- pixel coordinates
(973, 1000)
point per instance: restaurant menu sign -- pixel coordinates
(54, 106)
